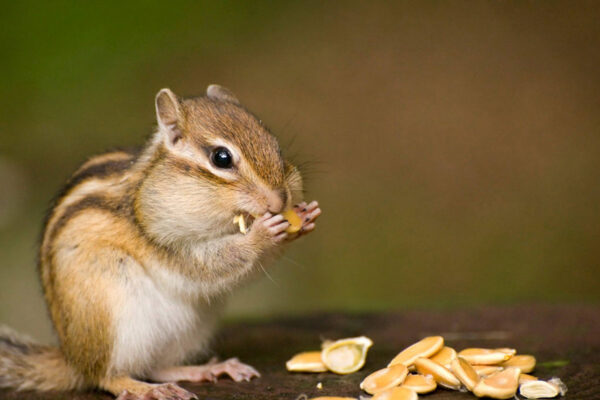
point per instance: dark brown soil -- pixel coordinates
(564, 339)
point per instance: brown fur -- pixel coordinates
(26, 365)
(118, 215)
(233, 122)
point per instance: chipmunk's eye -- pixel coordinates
(222, 158)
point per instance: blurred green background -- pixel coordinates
(454, 146)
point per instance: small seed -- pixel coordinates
(440, 373)
(384, 379)
(241, 221)
(308, 361)
(420, 383)
(538, 390)
(294, 220)
(345, 356)
(486, 370)
(445, 356)
(525, 362)
(423, 348)
(465, 373)
(501, 385)
(526, 378)
(397, 393)
(486, 356)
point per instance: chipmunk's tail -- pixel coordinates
(26, 365)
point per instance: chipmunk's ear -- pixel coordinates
(217, 92)
(168, 114)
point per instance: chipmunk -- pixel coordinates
(139, 251)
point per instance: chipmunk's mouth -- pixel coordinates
(244, 220)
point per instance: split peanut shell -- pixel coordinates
(423, 348)
(538, 390)
(524, 362)
(397, 393)
(440, 373)
(294, 220)
(465, 373)
(479, 356)
(308, 361)
(445, 356)
(419, 383)
(384, 379)
(486, 370)
(501, 385)
(345, 356)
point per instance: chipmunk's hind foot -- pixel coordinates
(237, 370)
(211, 371)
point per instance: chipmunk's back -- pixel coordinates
(97, 183)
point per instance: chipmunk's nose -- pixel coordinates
(277, 200)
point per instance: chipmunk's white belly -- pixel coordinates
(159, 326)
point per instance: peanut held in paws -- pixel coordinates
(294, 220)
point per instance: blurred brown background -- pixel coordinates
(454, 146)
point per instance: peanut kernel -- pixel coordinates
(465, 373)
(524, 362)
(445, 356)
(294, 220)
(440, 373)
(501, 385)
(384, 379)
(308, 361)
(486, 370)
(420, 383)
(397, 393)
(423, 348)
(486, 356)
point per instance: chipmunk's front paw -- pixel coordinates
(270, 227)
(309, 214)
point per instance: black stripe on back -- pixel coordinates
(121, 209)
(100, 170)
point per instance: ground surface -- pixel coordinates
(564, 339)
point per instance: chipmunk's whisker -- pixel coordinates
(268, 275)
(293, 261)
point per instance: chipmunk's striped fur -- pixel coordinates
(140, 247)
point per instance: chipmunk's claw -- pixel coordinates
(309, 214)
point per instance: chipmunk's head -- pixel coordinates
(214, 160)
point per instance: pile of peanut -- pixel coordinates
(427, 364)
